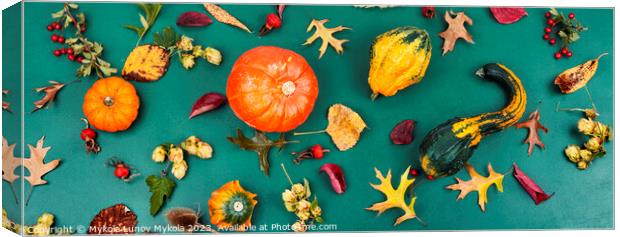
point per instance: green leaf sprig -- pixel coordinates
(568, 29)
(261, 144)
(151, 10)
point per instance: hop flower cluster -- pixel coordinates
(189, 52)
(296, 200)
(598, 134)
(174, 154)
(41, 228)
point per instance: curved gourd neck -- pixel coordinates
(512, 112)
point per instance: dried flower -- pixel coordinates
(299, 190)
(179, 169)
(212, 56)
(288, 196)
(594, 144)
(572, 152)
(159, 154)
(185, 44)
(303, 205)
(303, 215)
(586, 126)
(175, 154)
(586, 155)
(316, 211)
(299, 226)
(290, 206)
(582, 165)
(198, 51)
(187, 60)
(46, 219)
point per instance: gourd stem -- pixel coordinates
(308, 133)
(374, 96)
(600, 56)
(286, 173)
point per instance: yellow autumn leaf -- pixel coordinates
(395, 198)
(326, 34)
(478, 183)
(344, 126)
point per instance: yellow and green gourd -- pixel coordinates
(398, 59)
(446, 149)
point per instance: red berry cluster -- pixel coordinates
(61, 40)
(564, 52)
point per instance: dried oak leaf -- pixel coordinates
(478, 183)
(326, 34)
(223, 16)
(537, 194)
(50, 94)
(533, 124)
(9, 162)
(36, 165)
(117, 219)
(395, 198)
(6, 105)
(456, 29)
(344, 126)
(261, 144)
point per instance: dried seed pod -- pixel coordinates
(117, 219)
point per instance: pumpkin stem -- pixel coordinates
(374, 96)
(308, 133)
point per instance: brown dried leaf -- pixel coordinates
(326, 34)
(395, 198)
(50, 94)
(223, 16)
(117, 219)
(532, 124)
(478, 183)
(9, 162)
(345, 126)
(36, 165)
(456, 29)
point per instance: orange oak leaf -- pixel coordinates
(456, 29)
(533, 124)
(395, 198)
(9, 162)
(478, 183)
(326, 34)
(50, 94)
(36, 165)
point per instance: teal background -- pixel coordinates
(82, 185)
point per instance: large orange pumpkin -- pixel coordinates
(272, 89)
(111, 104)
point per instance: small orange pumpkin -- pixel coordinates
(111, 104)
(272, 89)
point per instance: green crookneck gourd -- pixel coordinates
(446, 149)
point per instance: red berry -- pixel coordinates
(550, 22)
(571, 15)
(428, 12)
(57, 26)
(317, 151)
(552, 41)
(569, 54)
(70, 50)
(88, 132)
(121, 171)
(79, 59)
(546, 36)
(61, 39)
(430, 177)
(50, 27)
(547, 14)
(547, 29)
(63, 51)
(57, 53)
(414, 172)
(564, 51)
(557, 55)
(273, 21)
(71, 57)
(54, 37)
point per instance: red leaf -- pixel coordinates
(207, 102)
(336, 176)
(533, 124)
(402, 133)
(537, 194)
(508, 15)
(193, 19)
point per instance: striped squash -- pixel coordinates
(398, 59)
(446, 149)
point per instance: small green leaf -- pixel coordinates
(73, 5)
(161, 189)
(319, 219)
(167, 38)
(573, 37)
(58, 14)
(145, 24)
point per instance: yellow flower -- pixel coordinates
(316, 211)
(187, 60)
(185, 44)
(198, 51)
(303, 205)
(159, 154)
(586, 155)
(288, 196)
(303, 215)
(175, 154)
(179, 169)
(290, 206)
(212, 56)
(205, 151)
(572, 152)
(582, 165)
(299, 226)
(46, 219)
(299, 190)
(586, 126)
(594, 144)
